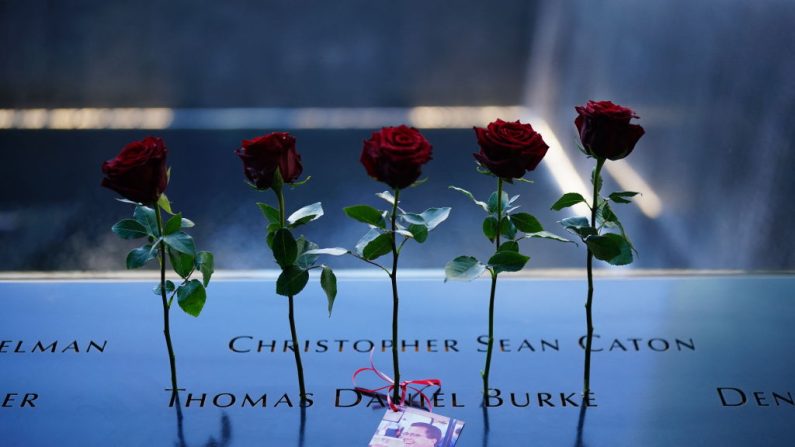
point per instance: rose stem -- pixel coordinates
(493, 289)
(393, 277)
(166, 326)
(589, 266)
(296, 349)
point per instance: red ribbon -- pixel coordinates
(404, 386)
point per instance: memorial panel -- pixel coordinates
(677, 361)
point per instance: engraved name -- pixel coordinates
(248, 344)
(737, 397)
(54, 346)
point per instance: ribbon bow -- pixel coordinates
(404, 386)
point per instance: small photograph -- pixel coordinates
(417, 428)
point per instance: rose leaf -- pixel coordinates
(463, 268)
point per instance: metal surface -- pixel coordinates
(720, 331)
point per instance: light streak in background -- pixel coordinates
(561, 167)
(629, 180)
(87, 118)
(425, 117)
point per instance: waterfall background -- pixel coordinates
(711, 81)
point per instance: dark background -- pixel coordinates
(711, 81)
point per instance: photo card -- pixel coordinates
(418, 428)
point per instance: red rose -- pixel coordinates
(393, 155)
(139, 172)
(508, 149)
(605, 130)
(263, 155)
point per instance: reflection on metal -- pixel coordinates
(629, 180)
(561, 167)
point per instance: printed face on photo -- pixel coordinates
(418, 437)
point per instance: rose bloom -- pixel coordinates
(394, 155)
(139, 172)
(605, 131)
(509, 149)
(263, 155)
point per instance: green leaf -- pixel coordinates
(377, 247)
(526, 222)
(272, 228)
(329, 284)
(483, 170)
(366, 214)
(507, 228)
(173, 224)
(137, 257)
(413, 219)
(605, 247)
(419, 232)
(334, 251)
(191, 297)
(463, 268)
(605, 215)
(567, 200)
(625, 255)
(187, 223)
(434, 216)
(169, 288)
(386, 195)
(205, 262)
(270, 213)
(429, 218)
(404, 233)
(418, 182)
(285, 249)
(490, 227)
(129, 229)
(182, 263)
(146, 217)
(181, 242)
(580, 226)
(302, 182)
(507, 261)
(513, 199)
(493, 202)
(291, 281)
(305, 215)
(548, 235)
(509, 246)
(479, 203)
(511, 209)
(620, 196)
(306, 260)
(366, 239)
(163, 202)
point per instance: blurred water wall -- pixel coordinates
(713, 84)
